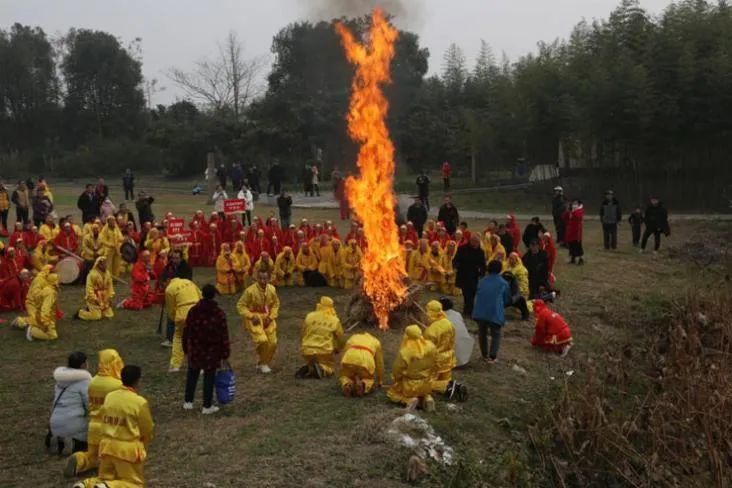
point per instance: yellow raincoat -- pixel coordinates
(264, 263)
(180, 296)
(226, 271)
(448, 284)
(422, 262)
(362, 365)
(441, 333)
(47, 232)
(256, 306)
(156, 244)
(111, 239)
(351, 264)
(413, 370)
(42, 256)
(99, 293)
(328, 263)
(242, 264)
(321, 337)
(90, 246)
(284, 273)
(411, 260)
(40, 307)
(305, 262)
(435, 271)
(126, 430)
(519, 271)
(107, 380)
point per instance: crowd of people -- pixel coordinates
(107, 423)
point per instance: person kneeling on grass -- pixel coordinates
(206, 344)
(41, 308)
(413, 370)
(441, 333)
(362, 365)
(321, 337)
(99, 293)
(126, 430)
(551, 331)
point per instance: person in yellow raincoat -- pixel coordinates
(225, 271)
(111, 239)
(284, 273)
(321, 336)
(435, 271)
(263, 265)
(422, 261)
(519, 271)
(99, 292)
(40, 307)
(43, 255)
(362, 365)
(441, 333)
(125, 432)
(350, 264)
(180, 296)
(413, 370)
(90, 244)
(498, 252)
(338, 279)
(448, 285)
(241, 265)
(107, 380)
(410, 262)
(486, 243)
(155, 243)
(306, 261)
(48, 229)
(327, 259)
(258, 307)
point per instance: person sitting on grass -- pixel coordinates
(321, 338)
(362, 365)
(551, 331)
(413, 370)
(68, 423)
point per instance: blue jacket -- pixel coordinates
(491, 299)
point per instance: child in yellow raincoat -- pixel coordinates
(107, 380)
(241, 265)
(362, 365)
(258, 307)
(435, 271)
(40, 305)
(306, 261)
(180, 296)
(99, 292)
(350, 263)
(111, 240)
(284, 274)
(441, 333)
(321, 336)
(498, 251)
(413, 370)
(225, 271)
(448, 285)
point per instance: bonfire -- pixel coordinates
(385, 287)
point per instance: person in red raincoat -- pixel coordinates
(198, 218)
(13, 290)
(17, 234)
(141, 295)
(551, 331)
(573, 232)
(231, 230)
(306, 229)
(211, 245)
(289, 236)
(258, 246)
(196, 241)
(412, 232)
(67, 239)
(514, 231)
(547, 243)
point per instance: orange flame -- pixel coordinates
(371, 194)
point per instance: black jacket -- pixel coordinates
(538, 267)
(276, 174)
(144, 209)
(656, 218)
(89, 206)
(128, 180)
(506, 242)
(558, 204)
(285, 205)
(417, 214)
(531, 233)
(469, 264)
(423, 185)
(610, 212)
(450, 217)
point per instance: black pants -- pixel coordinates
(246, 217)
(274, 187)
(285, 221)
(446, 184)
(559, 227)
(468, 300)
(636, 234)
(21, 215)
(129, 193)
(425, 201)
(610, 235)
(656, 238)
(208, 385)
(4, 220)
(575, 249)
(520, 302)
(495, 330)
(314, 190)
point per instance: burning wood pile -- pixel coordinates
(360, 310)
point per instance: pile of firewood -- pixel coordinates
(360, 311)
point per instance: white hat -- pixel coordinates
(558, 188)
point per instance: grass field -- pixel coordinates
(284, 432)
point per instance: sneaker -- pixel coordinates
(265, 369)
(452, 389)
(188, 406)
(28, 334)
(565, 350)
(318, 371)
(210, 410)
(301, 373)
(173, 369)
(70, 468)
(166, 343)
(491, 360)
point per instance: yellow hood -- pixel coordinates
(110, 364)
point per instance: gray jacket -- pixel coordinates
(69, 418)
(610, 212)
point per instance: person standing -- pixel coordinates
(656, 220)
(42, 207)
(88, 204)
(446, 171)
(206, 343)
(144, 208)
(218, 199)
(254, 176)
(22, 201)
(423, 188)
(315, 184)
(284, 204)
(491, 298)
(307, 179)
(559, 205)
(536, 262)
(610, 216)
(636, 221)
(573, 232)
(532, 232)
(469, 265)
(449, 216)
(4, 209)
(102, 190)
(126, 431)
(237, 177)
(246, 194)
(259, 307)
(417, 215)
(221, 175)
(275, 175)
(128, 184)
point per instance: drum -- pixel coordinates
(68, 270)
(129, 252)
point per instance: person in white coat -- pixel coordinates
(246, 194)
(69, 412)
(218, 199)
(464, 342)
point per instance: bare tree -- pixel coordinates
(228, 81)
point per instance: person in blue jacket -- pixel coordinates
(490, 302)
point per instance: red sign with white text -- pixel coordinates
(175, 226)
(234, 206)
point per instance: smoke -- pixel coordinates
(405, 13)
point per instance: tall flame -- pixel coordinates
(371, 194)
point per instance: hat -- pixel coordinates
(558, 188)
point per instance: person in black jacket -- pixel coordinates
(144, 208)
(636, 221)
(559, 205)
(532, 232)
(417, 214)
(536, 262)
(449, 216)
(423, 188)
(88, 203)
(610, 216)
(506, 239)
(656, 219)
(284, 204)
(275, 175)
(128, 184)
(469, 265)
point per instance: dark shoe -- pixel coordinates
(317, 371)
(302, 373)
(581, 262)
(462, 395)
(452, 389)
(70, 469)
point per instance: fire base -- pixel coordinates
(360, 312)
